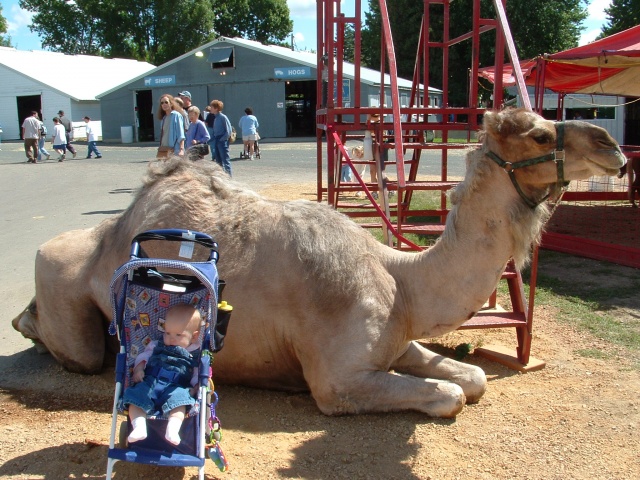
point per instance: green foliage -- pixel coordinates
(621, 14)
(152, 30)
(537, 26)
(5, 40)
(349, 43)
(266, 21)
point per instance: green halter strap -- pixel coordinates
(557, 156)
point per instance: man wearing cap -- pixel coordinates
(185, 96)
(68, 128)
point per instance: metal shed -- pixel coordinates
(49, 81)
(278, 83)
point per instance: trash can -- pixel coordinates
(126, 134)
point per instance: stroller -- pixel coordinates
(256, 150)
(141, 292)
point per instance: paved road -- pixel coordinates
(40, 201)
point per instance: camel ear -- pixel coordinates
(511, 121)
(491, 123)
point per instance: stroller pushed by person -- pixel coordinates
(169, 322)
(249, 129)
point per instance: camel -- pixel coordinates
(319, 304)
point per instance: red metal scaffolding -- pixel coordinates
(401, 138)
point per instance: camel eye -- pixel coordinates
(542, 138)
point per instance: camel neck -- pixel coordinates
(487, 226)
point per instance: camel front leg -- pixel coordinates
(421, 362)
(377, 391)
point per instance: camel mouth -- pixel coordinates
(609, 161)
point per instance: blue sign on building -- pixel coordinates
(161, 81)
(292, 72)
(346, 90)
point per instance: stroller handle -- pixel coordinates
(175, 235)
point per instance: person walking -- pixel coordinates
(221, 134)
(31, 135)
(43, 138)
(172, 125)
(59, 139)
(68, 128)
(208, 121)
(248, 126)
(185, 96)
(92, 138)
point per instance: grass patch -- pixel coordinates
(594, 353)
(586, 295)
(420, 201)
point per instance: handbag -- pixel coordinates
(201, 149)
(233, 136)
(164, 152)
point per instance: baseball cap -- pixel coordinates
(60, 112)
(186, 93)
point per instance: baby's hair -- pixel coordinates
(357, 152)
(195, 315)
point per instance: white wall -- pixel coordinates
(614, 126)
(17, 85)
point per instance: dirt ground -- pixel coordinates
(576, 418)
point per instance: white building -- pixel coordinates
(48, 82)
(606, 111)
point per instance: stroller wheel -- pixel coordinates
(123, 434)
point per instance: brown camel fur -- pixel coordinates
(319, 304)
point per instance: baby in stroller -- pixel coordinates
(165, 374)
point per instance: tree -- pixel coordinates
(621, 14)
(152, 30)
(531, 34)
(5, 40)
(266, 21)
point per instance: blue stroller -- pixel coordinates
(142, 290)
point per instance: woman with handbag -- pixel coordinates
(197, 135)
(172, 128)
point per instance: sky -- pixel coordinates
(303, 13)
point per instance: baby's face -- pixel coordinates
(175, 333)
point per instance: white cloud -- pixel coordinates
(588, 36)
(596, 8)
(298, 37)
(18, 19)
(302, 8)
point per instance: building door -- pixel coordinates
(300, 104)
(145, 113)
(26, 105)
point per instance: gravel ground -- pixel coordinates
(576, 418)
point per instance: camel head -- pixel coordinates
(531, 150)
(25, 324)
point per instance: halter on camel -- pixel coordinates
(557, 156)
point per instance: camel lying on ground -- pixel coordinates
(319, 304)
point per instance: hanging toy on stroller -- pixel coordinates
(144, 294)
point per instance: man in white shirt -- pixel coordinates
(31, 135)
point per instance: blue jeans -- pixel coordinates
(345, 173)
(143, 395)
(93, 149)
(41, 150)
(221, 156)
(212, 143)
